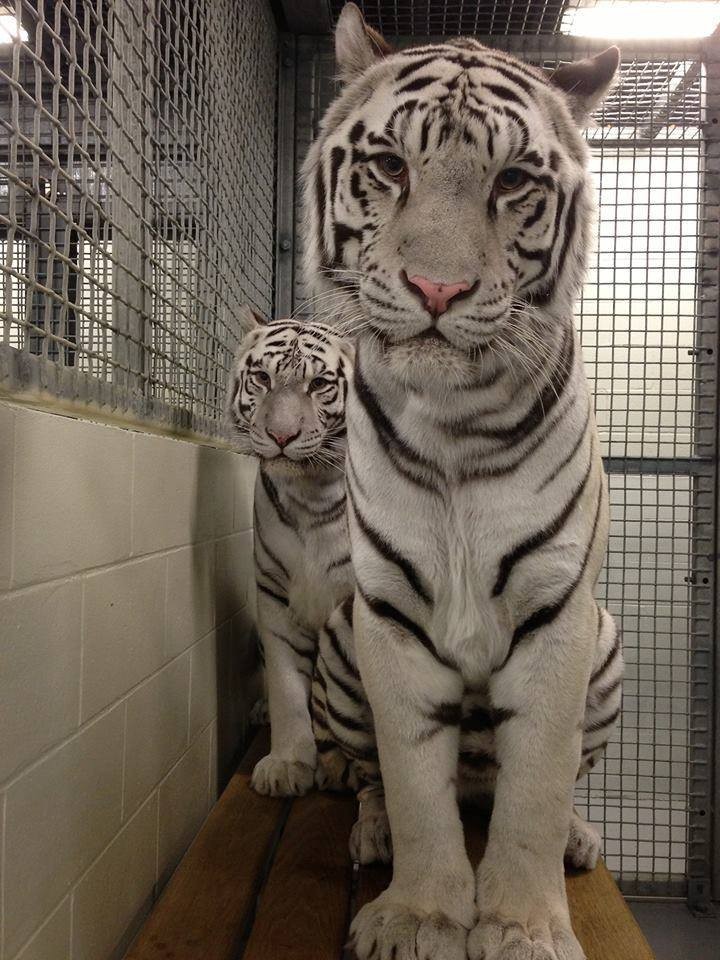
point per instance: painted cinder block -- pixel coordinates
(52, 940)
(184, 802)
(116, 893)
(72, 501)
(7, 465)
(59, 816)
(204, 681)
(40, 657)
(190, 596)
(156, 730)
(124, 630)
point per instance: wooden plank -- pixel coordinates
(208, 904)
(601, 919)
(304, 908)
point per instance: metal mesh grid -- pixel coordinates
(421, 18)
(648, 324)
(137, 199)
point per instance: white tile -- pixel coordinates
(213, 771)
(116, 893)
(7, 460)
(216, 480)
(72, 506)
(190, 596)
(60, 816)
(239, 687)
(184, 801)
(52, 940)
(40, 676)
(156, 730)
(204, 680)
(165, 494)
(244, 474)
(124, 630)
(235, 572)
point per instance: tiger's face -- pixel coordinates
(287, 391)
(448, 192)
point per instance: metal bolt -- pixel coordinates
(285, 245)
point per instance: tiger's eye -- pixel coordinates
(511, 179)
(392, 165)
(317, 383)
(263, 378)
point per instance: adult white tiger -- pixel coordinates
(286, 402)
(448, 196)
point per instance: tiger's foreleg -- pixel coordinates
(345, 734)
(289, 768)
(429, 907)
(541, 690)
(602, 708)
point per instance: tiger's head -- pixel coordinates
(286, 394)
(448, 196)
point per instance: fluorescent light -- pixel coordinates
(642, 19)
(10, 29)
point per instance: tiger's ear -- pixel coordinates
(357, 46)
(249, 319)
(348, 348)
(587, 82)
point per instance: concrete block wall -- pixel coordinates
(127, 670)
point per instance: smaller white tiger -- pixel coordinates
(286, 404)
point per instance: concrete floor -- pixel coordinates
(675, 934)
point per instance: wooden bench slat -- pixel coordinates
(206, 907)
(208, 910)
(601, 919)
(303, 909)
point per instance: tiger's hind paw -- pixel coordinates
(335, 772)
(260, 714)
(583, 846)
(370, 840)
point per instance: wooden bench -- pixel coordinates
(270, 879)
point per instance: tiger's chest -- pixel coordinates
(459, 537)
(314, 555)
(318, 583)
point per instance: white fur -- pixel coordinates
(300, 527)
(445, 501)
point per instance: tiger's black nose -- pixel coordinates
(282, 439)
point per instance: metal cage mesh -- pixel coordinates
(497, 18)
(648, 324)
(137, 182)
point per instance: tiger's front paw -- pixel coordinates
(502, 939)
(387, 928)
(276, 777)
(370, 840)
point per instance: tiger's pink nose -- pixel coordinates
(282, 439)
(436, 297)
